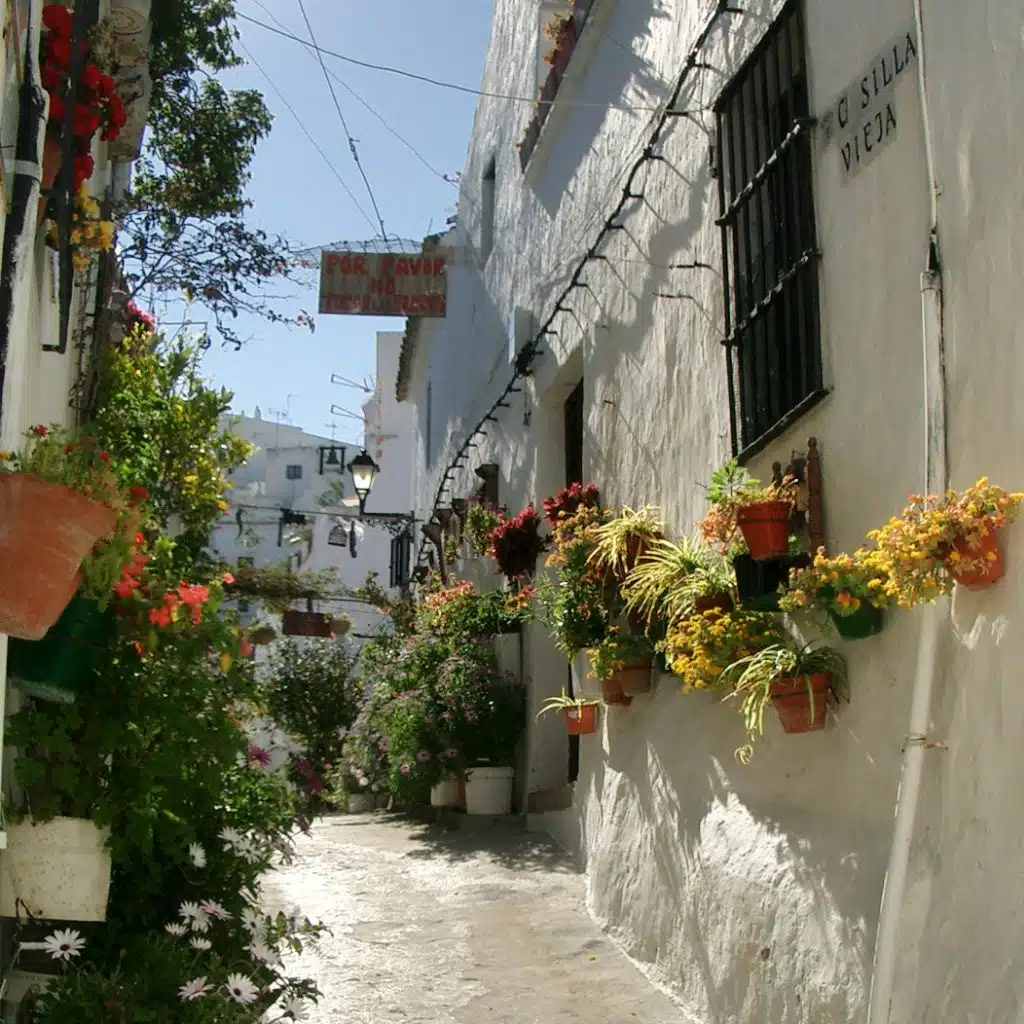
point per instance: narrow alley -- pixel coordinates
(448, 926)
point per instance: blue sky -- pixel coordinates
(295, 193)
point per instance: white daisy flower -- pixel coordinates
(214, 909)
(194, 989)
(251, 919)
(197, 855)
(248, 850)
(295, 1008)
(241, 989)
(64, 944)
(198, 943)
(249, 896)
(195, 916)
(259, 950)
(175, 929)
(230, 837)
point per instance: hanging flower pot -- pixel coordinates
(864, 622)
(713, 602)
(59, 870)
(635, 677)
(757, 583)
(801, 703)
(581, 720)
(62, 663)
(979, 566)
(765, 528)
(46, 529)
(296, 623)
(612, 692)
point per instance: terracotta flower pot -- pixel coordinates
(801, 703)
(765, 528)
(581, 721)
(984, 562)
(49, 172)
(45, 531)
(635, 677)
(612, 692)
(713, 602)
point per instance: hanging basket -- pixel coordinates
(757, 583)
(61, 665)
(984, 562)
(58, 870)
(295, 623)
(612, 692)
(765, 528)
(45, 531)
(801, 703)
(581, 721)
(864, 622)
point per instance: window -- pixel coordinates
(293, 472)
(770, 255)
(399, 570)
(487, 187)
(428, 438)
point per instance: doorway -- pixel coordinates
(573, 415)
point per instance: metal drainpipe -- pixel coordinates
(935, 617)
(27, 173)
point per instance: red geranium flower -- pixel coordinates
(85, 120)
(40, 430)
(58, 20)
(60, 53)
(194, 595)
(103, 456)
(160, 616)
(138, 494)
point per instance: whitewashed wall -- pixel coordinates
(754, 893)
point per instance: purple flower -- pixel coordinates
(423, 755)
(451, 752)
(258, 754)
(405, 769)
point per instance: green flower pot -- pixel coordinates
(59, 666)
(865, 621)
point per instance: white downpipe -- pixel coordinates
(934, 617)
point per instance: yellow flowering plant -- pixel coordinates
(934, 537)
(840, 584)
(700, 648)
(90, 232)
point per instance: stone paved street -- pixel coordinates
(455, 927)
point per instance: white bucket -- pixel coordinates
(489, 791)
(59, 870)
(445, 793)
(361, 803)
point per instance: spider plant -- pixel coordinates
(750, 679)
(620, 541)
(564, 702)
(671, 576)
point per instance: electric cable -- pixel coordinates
(344, 123)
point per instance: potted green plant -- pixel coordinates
(580, 713)
(621, 540)
(59, 501)
(853, 590)
(460, 610)
(747, 517)
(622, 663)
(796, 680)
(481, 519)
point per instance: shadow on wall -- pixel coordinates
(622, 73)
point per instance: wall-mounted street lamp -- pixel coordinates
(364, 471)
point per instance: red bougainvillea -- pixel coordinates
(516, 543)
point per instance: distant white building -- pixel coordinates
(292, 503)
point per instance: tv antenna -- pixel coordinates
(366, 385)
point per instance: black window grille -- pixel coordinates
(293, 472)
(769, 245)
(400, 556)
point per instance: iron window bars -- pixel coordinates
(769, 247)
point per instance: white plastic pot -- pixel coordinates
(445, 794)
(360, 803)
(489, 791)
(59, 870)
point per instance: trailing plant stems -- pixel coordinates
(935, 616)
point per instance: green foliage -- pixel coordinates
(460, 611)
(616, 651)
(481, 519)
(162, 425)
(312, 692)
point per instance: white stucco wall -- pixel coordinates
(754, 892)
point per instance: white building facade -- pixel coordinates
(834, 191)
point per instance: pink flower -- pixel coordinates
(423, 755)
(228, 578)
(405, 769)
(258, 754)
(428, 719)
(451, 752)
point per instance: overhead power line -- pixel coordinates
(341, 116)
(387, 69)
(309, 135)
